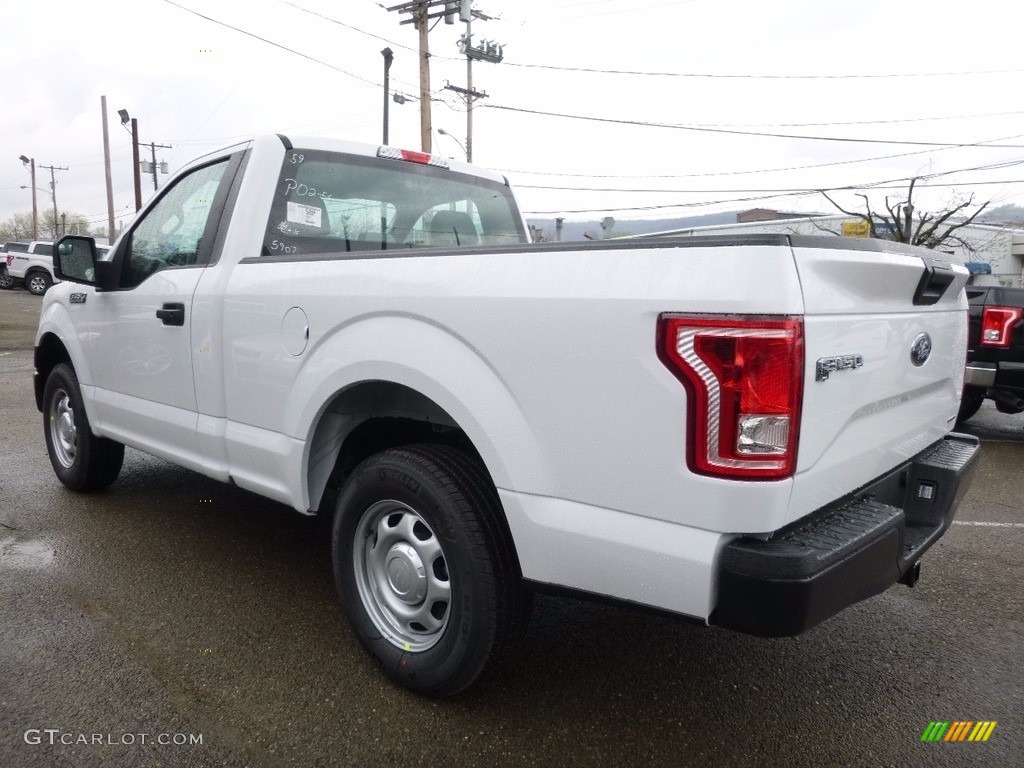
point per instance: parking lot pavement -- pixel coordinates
(173, 606)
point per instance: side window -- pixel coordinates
(171, 233)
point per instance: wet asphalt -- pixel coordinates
(174, 608)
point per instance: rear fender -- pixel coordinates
(438, 366)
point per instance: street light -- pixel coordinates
(389, 57)
(31, 164)
(443, 132)
(125, 119)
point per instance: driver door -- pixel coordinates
(145, 393)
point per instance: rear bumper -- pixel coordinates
(1004, 374)
(980, 374)
(847, 551)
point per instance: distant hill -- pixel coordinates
(574, 230)
(1004, 214)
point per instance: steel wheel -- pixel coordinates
(63, 432)
(402, 575)
(426, 568)
(82, 461)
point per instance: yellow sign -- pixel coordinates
(857, 228)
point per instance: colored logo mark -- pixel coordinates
(958, 730)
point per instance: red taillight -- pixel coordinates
(744, 377)
(997, 325)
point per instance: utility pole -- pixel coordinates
(486, 51)
(125, 120)
(53, 191)
(152, 147)
(35, 207)
(106, 169)
(469, 91)
(135, 162)
(425, 116)
(30, 162)
(419, 14)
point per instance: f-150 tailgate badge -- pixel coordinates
(828, 365)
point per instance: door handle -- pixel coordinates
(172, 314)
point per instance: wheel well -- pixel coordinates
(49, 353)
(368, 418)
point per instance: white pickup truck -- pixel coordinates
(752, 432)
(32, 266)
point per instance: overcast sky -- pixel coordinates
(915, 72)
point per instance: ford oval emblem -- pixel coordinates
(921, 349)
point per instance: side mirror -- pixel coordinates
(76, 260)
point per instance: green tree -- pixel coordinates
(905, 224)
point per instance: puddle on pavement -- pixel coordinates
(24, 553)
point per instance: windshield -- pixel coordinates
(329, 202)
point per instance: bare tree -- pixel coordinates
(930, 230)
(19, 226)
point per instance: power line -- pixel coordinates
(695, 75)
(731, 132)
(669, 206)
(354, 29)
(858, 122)
(753, 171)
(863, 185)
(768, 196)
(888, 184)
(748, 76)
(271, 42)
(711, 128)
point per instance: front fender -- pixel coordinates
(56, 320)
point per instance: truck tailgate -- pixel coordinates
(884, 364)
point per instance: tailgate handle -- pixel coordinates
(934, 282)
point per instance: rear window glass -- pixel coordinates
(329, 202)
(44, 248)
(19, 247)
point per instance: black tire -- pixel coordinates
(38, 282)
(82, 461)
(425, 568)
(969, 404)
(6, 281)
